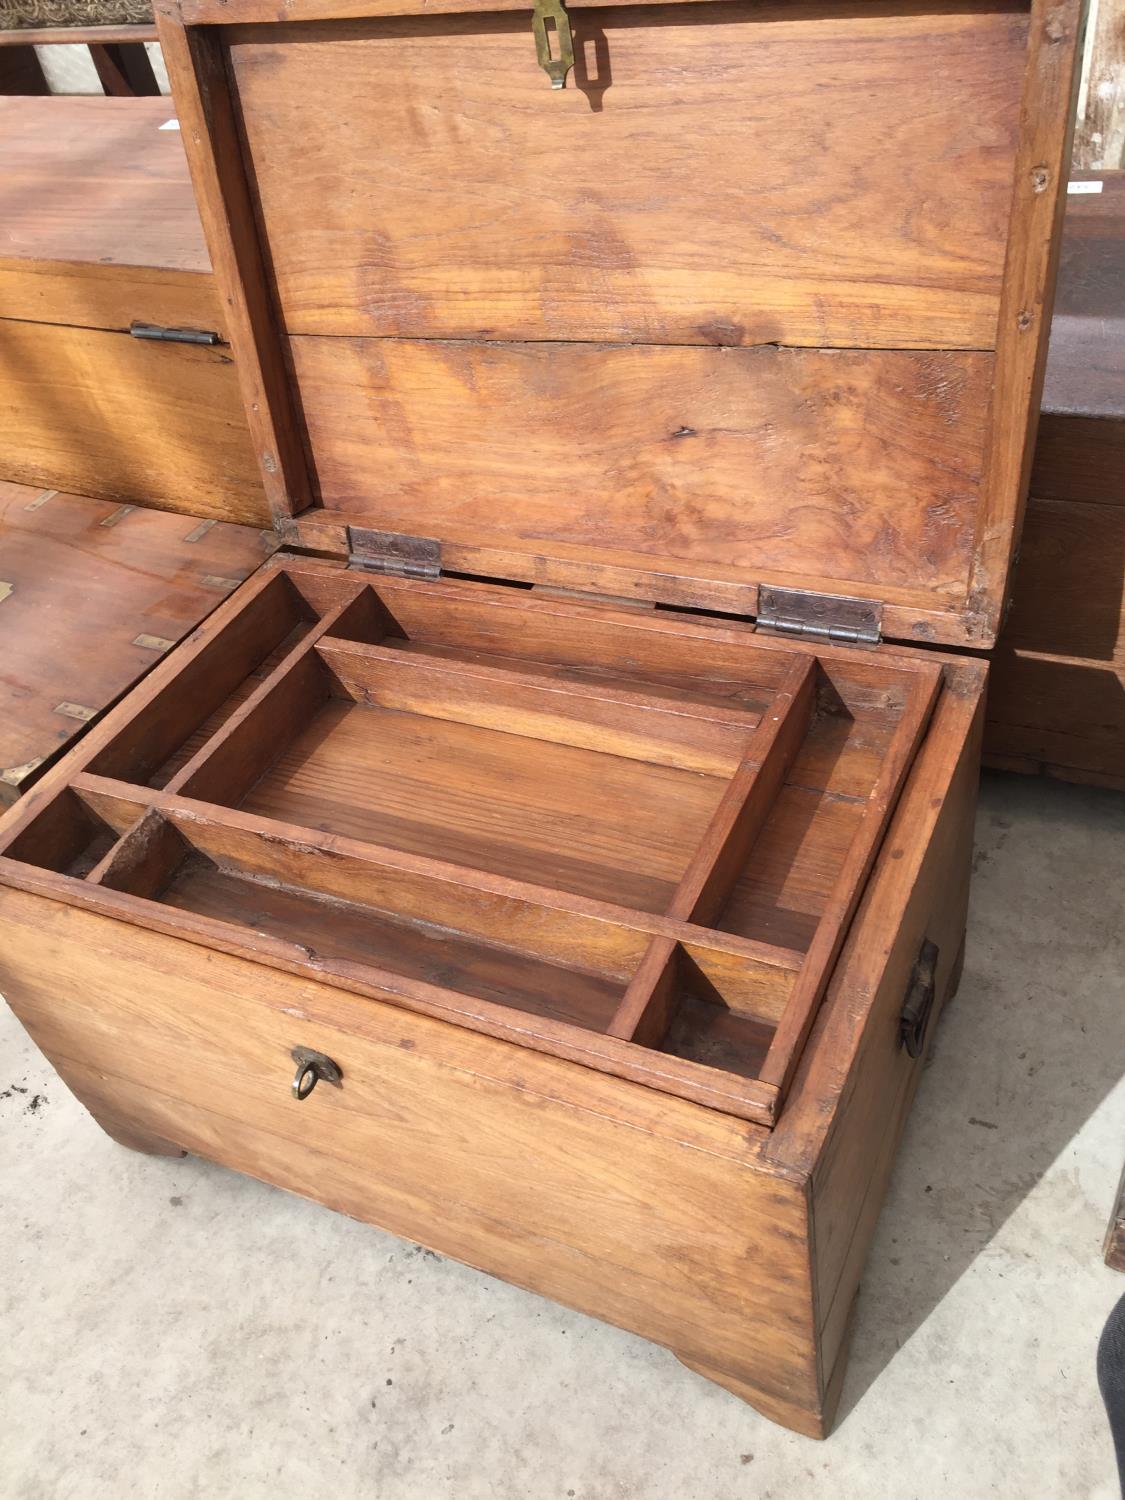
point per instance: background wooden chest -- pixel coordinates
(1057, 693)
(100, 232)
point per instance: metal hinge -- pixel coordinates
(161, 335)
(392, 552)
(820, 617)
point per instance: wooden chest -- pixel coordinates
(1057, 691)
(101, 243)
(564, 866)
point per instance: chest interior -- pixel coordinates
(622, 836)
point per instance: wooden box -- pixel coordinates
(1056, 698)
(101, 242)
(593, 940)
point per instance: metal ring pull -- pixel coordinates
(311, 1068)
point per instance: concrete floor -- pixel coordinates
(172, 1330)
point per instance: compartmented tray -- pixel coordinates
(619, 837)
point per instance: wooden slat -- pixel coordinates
(142, 859)
(178, 701)
(796, 1022)
(90, 36)
(676, 455)
(1038, 201)
(197, 74)
(753, 790)
(616, 721)
(120, 803)
(646, 1009)
(252, 737)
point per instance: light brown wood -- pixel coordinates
(100, 233)
(218, 1031)
(953, 575)
(800, 1012)
(125, 407)
(463, 839)
(659, 451)
(1042, 164)
(96, 181)
(195, 68)
(533, 252)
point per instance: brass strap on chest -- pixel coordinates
(558, 66)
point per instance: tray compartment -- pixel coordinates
(600, 791)
(68, 836)
(344, 910)
(212, 684)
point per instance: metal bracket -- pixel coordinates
(823, 617)
(391, 552)
(556, 68)
(161, 335)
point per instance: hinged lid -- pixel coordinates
(757, 300)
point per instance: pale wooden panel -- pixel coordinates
(96, 180)
(108, 415)
(420, 177)
(90, 295)
(861, 465)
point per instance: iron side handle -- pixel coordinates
(918, 1004)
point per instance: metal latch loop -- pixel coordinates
(556, 68)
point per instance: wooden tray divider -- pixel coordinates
(796, 1022)
(243, 748)
(646, 1009)
(120, 804)
(142, 859)
(545, 703)
(745, 1098)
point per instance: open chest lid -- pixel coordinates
(756, 303)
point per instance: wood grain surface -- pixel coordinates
(863, 467)
(1057, 696)
(160, 425)
(96, 180)
(218, 939)
(418, 178)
